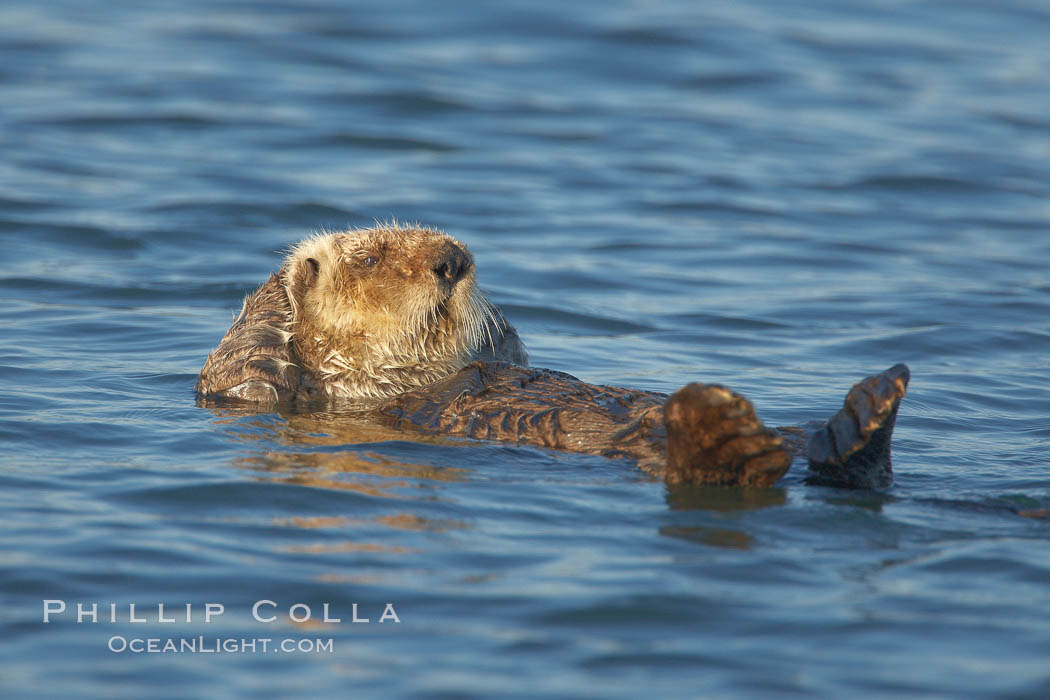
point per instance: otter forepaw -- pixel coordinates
(253, 390)
(852, 450)
(714, 437)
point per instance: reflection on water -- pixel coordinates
(367, 472)
(711, 536)
(337, 547)
(872, 502)
(400, 521)
(344, 424)
(337, 470)
(724, 499)
(308, 523)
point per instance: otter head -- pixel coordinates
(379, 311)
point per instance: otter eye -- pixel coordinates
(370, 261)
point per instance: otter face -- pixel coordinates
(375, 309)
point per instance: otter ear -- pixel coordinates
(305, 273)
(300, 277)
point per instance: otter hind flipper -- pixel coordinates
(852, 449)
(714, 437)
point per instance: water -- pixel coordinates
(780, 199)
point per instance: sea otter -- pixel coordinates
(391, 318)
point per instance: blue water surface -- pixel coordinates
(779, 197)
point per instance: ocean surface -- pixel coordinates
(783, 198)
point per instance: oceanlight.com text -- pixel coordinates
(218, 645)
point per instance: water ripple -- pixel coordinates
(779, 202)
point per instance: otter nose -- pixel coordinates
(452, 264)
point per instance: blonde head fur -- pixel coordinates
(378, 311)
